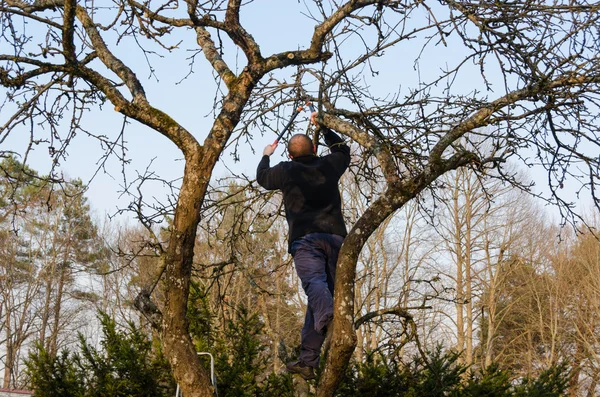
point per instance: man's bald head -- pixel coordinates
(300, 145)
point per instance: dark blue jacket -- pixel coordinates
(310, 188)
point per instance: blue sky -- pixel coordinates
(276, 26)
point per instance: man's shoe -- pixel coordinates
(298, 367)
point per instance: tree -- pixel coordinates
(69, 244)
(124, 365)
(574, 292)
(483, 223)
(46, 239)
(536, 63)
(545, 304)
(19, 276)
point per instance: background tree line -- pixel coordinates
(488, 294)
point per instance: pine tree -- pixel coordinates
(123, 366)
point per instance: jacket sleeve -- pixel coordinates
(340, 152)
(267, 177)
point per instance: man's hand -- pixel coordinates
(313, 118)
(269, 149)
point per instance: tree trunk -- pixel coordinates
(397, 195)
(46, 309)
(458, 250)
(277, 364)
(9, 354)
(177, 344)
(491, 326)
(53, 343)
(344, 339)
(200, 161)
(468, 277)
(49, 282)
(576, 364)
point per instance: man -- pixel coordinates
(316, 230)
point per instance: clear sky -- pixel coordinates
(189, 101)
(276, 26)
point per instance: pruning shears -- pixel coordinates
(313, 114)
(300, 108)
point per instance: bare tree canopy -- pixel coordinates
(421, 87)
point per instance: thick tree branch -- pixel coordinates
(110, 61)
(38, 5)
(315, 52)
(213, 56)
(21, 79)
(322, 30)
(68, 30)
(239, 35)
(367, 141)
(144, 113)
(396, 195)
(482, 117)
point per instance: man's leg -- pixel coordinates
(310, 259)
(311, 341)
(310, 349)
(315, 257)
(310, 262)
(332, 250)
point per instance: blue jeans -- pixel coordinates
(315, 256)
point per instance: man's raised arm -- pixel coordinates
(267, 177)
(340, 152)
